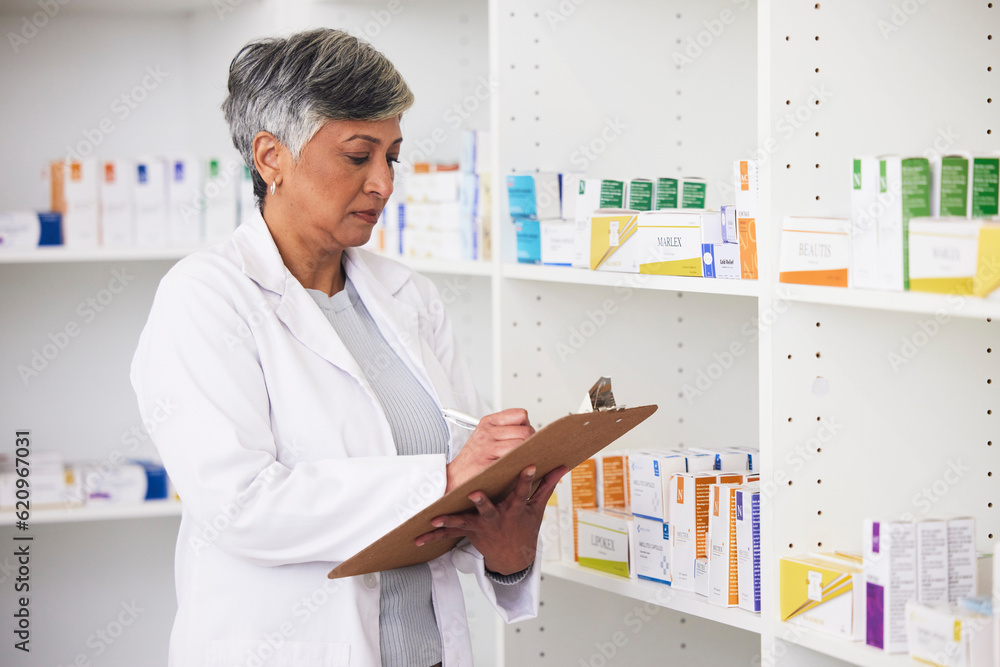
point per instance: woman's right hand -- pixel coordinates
(496, 435)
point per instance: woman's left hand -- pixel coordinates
(506, 534)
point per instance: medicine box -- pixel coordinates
(748, 546)
(648, 476)
(948, 636)
(693, 191)
(745, 182)
(822, 594)
(943, 254)
(985, 192)
(962, 565)
(890, 569)
(117, 213)
(651, 547)
(815, 251)
(905, 193)
(535, 196)
(932, 561)
(575, 491)
(603, 540)
(864, 224)
(723, 587)
(557, 242)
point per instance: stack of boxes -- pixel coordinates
(643, 226)
(917, 223)
(440, 211)
(686, 518)
(913, 589)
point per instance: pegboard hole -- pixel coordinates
(819, 481)
(786, 38)
(989, 412)
(990, 536)
(989, 350)
(817, 197)
(989, 381)
(788, 102)
(789, 356)
(989, 443)
(819, 512)
(819, 418)
(819, 544)
(515, 375)
(989, 504)
(541, 628)
(989, 474)
(817, 134)
(791, 546)
(817, 165)
(789, 419)
(684, 645)
(817, 355)
(989, 100)
(789, 484)
(817, 324)
(816, 6)
(788, 166)
(680, 319)
(517, 630)
(817, 70)
(819, 449)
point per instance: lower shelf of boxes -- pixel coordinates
(654, 593)
(97, 512)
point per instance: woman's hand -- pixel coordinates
(496, 435)
(506, 534)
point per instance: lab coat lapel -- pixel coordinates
(296, 309)
(398, 321)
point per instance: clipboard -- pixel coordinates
(565, 442)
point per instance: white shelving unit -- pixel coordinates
(109, 512)
(654, 593)
(836, 386)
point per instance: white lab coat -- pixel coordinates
(284, 460)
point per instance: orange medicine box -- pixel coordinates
(575, 491)
(689, 505)
(612, 480)
(816, 251)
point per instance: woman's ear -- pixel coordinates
(265, 157)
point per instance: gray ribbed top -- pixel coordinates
(408, 631)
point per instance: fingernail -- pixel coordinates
(437, 523)
(531, 471)
(477, 499)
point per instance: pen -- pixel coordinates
(459, 418)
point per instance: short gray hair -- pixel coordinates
(291, 86)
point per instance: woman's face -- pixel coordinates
(342, 179)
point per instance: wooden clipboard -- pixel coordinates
(565, 442)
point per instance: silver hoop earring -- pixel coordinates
(272, 187)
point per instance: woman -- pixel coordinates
(309, 378)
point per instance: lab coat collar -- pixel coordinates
(262, 262)
(377, 280)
